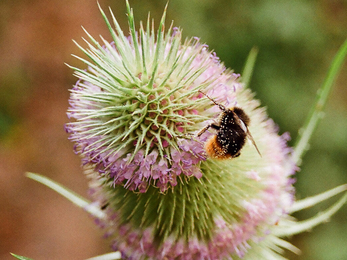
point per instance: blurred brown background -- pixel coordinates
(297, 41)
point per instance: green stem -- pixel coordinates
(317, 110)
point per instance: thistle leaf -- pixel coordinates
(310, 223)
(67, 193)
(247, 71)
(20, 257)
(109, 256)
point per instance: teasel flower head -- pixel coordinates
(137, 104)
(135, 114)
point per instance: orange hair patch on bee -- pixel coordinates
(215, 150)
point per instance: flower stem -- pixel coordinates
(317, 110)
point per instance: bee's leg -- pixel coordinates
(104, 206)
(212, 125)
(203, 130)
(237, 155)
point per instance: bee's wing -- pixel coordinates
(248, 133)
(252, 140)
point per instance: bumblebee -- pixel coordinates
(231, 133)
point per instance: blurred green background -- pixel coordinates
(297, 41)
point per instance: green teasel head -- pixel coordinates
(136, 110)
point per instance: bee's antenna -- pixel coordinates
(221, 107)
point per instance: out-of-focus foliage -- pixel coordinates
(296, 39)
